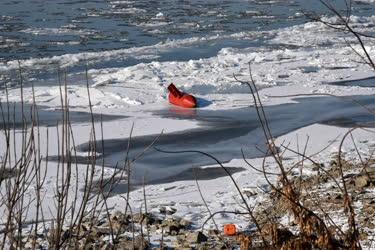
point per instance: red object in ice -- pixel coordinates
(179, 98)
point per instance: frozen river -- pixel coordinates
(134, 49)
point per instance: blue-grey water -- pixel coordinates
(41, 28)
(48, 29)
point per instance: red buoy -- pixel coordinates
(179, 98)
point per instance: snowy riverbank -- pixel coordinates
(303, 59)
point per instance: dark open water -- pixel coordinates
(41, 28)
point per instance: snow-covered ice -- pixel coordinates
(303, 59)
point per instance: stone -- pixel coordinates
(213, 232)
(103, 230)
(172, 226)
(338, 197)
(141, 243)
(173, 230)
(185, 223)
(362, 181)
(249, 193)
(196, 237)
(119, 218)
(127, 244)
(29, 245)
(333, 163)
(315, 168)
(148, 219)
(167, 210)
(67, 234)
(138, 217)
(220, 246)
